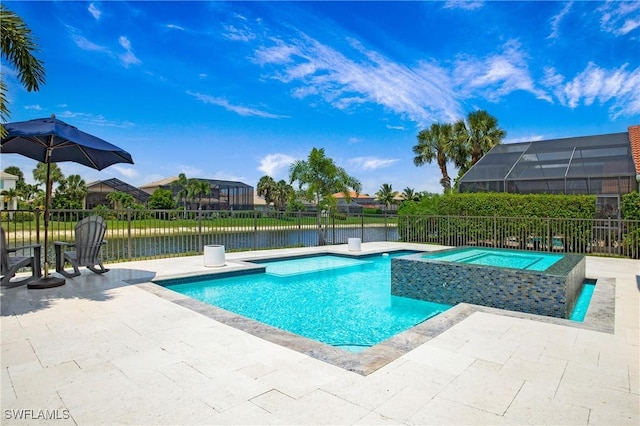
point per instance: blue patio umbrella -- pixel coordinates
(49, 140)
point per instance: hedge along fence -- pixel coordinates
(518, 205)
(540, 222)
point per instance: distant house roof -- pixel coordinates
(8, 176)
(159, 183)
(634, 139)
(352, 194)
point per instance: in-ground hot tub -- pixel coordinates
(525, 281)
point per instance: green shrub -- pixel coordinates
(17, 217)
(371, 211)
(631, 206)
(441, 218)
(518, 205)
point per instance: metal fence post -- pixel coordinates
(255, 229)
(129, 254)
(299, 228)
(386, 235)
(549, 237)
(38, 225)
(200, 245)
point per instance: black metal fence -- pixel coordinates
(148, 234)
(598, 236)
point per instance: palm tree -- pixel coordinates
(76, 188)
(18, 47)
(8, 195)
(198, 189)
(409, 194)
(318, 179)
(282, 192)
(179, 187)
(120, 200)
(436, 143)
(40, 176)
(40, 173)
(476, 137)
(29, 192)
(266, 189)
(386, 195)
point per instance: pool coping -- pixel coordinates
(600, 317)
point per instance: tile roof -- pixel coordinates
(352, 194)
(159, 183)
(634, 139)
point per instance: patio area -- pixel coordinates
(118, 349)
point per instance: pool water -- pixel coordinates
(285, 268)
(582, 304)
(341, 301)
(532, 261)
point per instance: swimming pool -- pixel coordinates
(341, 301)
(531, 261)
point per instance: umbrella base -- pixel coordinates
(45, 282)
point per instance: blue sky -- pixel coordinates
(237, 90)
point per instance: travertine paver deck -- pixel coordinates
(105, 350)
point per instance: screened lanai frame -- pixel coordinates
(600, 165)
(97, 197)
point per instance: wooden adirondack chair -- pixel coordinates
(89, 233)
(9, 265)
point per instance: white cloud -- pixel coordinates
(358, 76)
(127, 58)
(273, 163)
(175, 27)
(95, 11)
(280, 53)
(126, 171)
(221, 175)
(238, 34)
(372, 163)
(191, 172)
(84, 44)
(92, 119)
(463, 4)
(557, 19)
(33, 107)
(619, 86)
(619, 17)
(395, 127)
(629, 25)
(497, 75)
(240, 110)
(525, 139)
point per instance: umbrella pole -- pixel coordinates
(47, 281)
(47, 203)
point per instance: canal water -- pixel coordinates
(163, 245)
